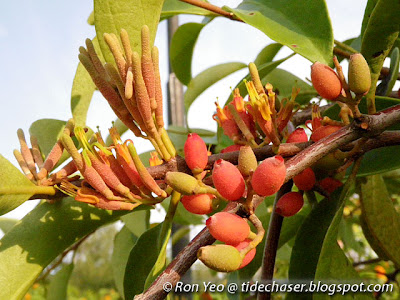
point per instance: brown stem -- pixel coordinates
(213, 8)
(271, 244)
(367, 262)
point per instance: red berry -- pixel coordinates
(249, 256)
(305, 180)
(196, 153)
(228, 228)
(231, 148)
(297, 136)
(323, 131)
(325, 81)
(289, 204)
(198, 204)
(330, 184)
(227, 180)
(269, 176)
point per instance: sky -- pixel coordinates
(39, 42)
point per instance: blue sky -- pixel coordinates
(39, 43)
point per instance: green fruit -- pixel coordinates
(359, 74)
(182, 182)
(221, 258)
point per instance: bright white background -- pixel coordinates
(39, 43)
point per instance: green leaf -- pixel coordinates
(6, 224)
(207, 78)
(40, 237)
(379, 36)
(83, 89)
(378, 211)
(112, 16)
(47, 132)
(380, 160)
(388, 82)
(137, 221)
(367, 14)
(140, 262)
(57, 289)
(15, 188)
(123, 244)
(267, 54)
(181, 50)
(263, 71)
(283, 81)
(173, 7)
(303, 26)
(309, 241)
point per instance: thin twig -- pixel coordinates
(213, 8)
(367, 262)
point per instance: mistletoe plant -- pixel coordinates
(272, 143)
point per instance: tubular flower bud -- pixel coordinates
(228, 228)
(196, 156)
(247, 161)
(325, 81)
(155, 159)
(269, 176)
(225, 121)
(289, 204)
(359, 74)
(221, 258)
(227, 180)
(305, 180)
(286, 111)
(198, 204)
(297, 136)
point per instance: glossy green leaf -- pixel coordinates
(309, 241)
(263, 71)
(58, 286)
(137, 221)
(303, 26)
(112, 16)
(141, 261)
(123, 244)
(15, 188)
(379, 36)
(47, 132)
(380, 160)
(6, 224)
(174, 7)
(283, 81)
(267, 54)
(207, 78)
(83, 89)
(378, 211)
(40, 237)
(388, 82)
(367, 15)
(181, 50)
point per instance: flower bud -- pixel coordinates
(305, 180)
(297, 136)
(324, 131)
(269, 176)
(359, 74)
(247, 160)
(195, 149)
(249, 256)
(289, 204)
(221, 258)
(181, 182)
(198, 204)
(228, 228)
(227, 180)
(325, 81)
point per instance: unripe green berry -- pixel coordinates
(331, 161)
(196, 153)
(289, 204)
(227, 180)
(221, 258)
(198, 204)
(247, 160)
(181, 182)
(359, 74)
(325, 81)
(228, 228)
(269, 176)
